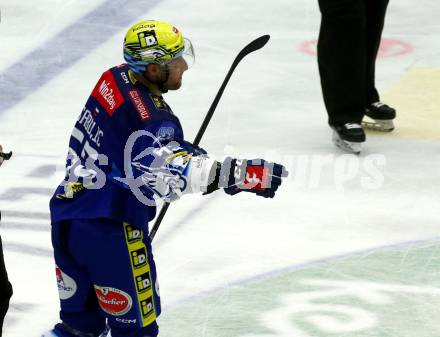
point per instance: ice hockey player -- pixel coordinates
(5, 285)
(126, 150)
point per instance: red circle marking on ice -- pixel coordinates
(391, 47)
(388, 48)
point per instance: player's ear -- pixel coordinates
(153, 71)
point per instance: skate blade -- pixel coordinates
(384, 125)
(351, 147)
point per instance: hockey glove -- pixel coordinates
(4, 156)
(257, 176)
(193, 149)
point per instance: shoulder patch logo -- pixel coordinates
(158, 102)
(165, 133)
(107, 93)
(139, 104)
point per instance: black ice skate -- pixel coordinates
(380, 117)
(349, 137)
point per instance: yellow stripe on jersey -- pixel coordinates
(417, 102)
(184, 155)
(70, 190)
(132, 77)
(141, 273)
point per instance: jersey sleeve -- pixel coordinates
(163, 163)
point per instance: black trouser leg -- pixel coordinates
(376, 10)
(5, 288)
(342, 59)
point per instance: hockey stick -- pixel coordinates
(251, 47)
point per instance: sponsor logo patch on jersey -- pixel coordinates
(147, 307)
(158, 101)
(139, 257)
(124, 77)
(139, 104)
(113, 301)
(126, 320)
(71, 190)
(107, 93)
(133, 234)
(66, 285)
(143, 282)
(165, 133)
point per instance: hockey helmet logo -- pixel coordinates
(152, 53)
(147, 39)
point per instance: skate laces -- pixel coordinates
(377, 104)
(352, 126)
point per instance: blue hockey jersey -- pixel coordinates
(109, 167)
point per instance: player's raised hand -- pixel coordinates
(257, 176)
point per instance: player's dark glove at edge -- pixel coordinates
(4, 156)
(257, 176)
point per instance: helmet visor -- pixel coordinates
(188, 53)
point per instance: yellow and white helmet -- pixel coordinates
(155, 42)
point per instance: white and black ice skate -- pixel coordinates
(349, 137)
(379, 116)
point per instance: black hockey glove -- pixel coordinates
(4, 156)
(194, 149)
(257, 176)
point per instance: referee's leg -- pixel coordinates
(376, 11)
(342, 59)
